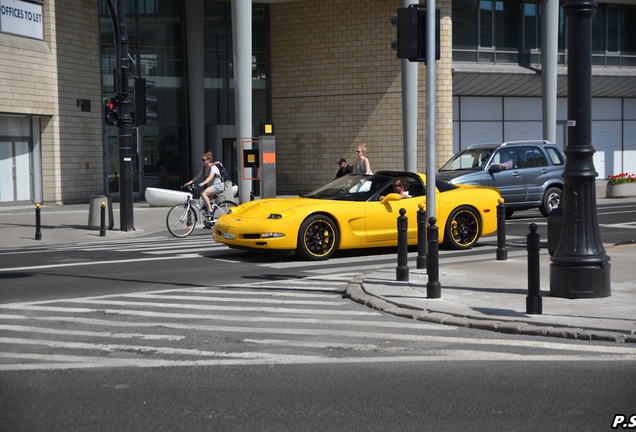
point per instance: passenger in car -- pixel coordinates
(507, 161)
(400, 187)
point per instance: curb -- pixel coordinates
(356, 292)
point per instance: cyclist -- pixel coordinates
(211, 183)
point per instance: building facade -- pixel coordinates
(323, 72)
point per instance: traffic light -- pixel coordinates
(142, 100)
(111, 113)
(411, 33)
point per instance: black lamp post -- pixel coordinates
(580, 267)
(124, 117)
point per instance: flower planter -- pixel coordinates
(620, 190)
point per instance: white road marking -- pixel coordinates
(30, 329)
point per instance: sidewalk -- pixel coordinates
(482, 293)
(491, 295)
(69, 224)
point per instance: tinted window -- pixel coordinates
(532, 157)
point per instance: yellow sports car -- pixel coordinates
(358, 211)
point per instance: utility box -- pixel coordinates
(267, 150)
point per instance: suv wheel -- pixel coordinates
(551, 200)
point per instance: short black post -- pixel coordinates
(534, 303)
(402, 269)
(251, 195)
(300, 192)
(502, 252)
(102, 220)
(421, 237)
(433, 287)
(38, 224)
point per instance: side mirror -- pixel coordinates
(391, 197)
(494, 169)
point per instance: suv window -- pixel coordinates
(507, 158)
(532, 157)
(555, 156)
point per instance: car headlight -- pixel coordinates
(228, 236)
(272, 235)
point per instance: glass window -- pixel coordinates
(507, 19)
(598, 31)
(612, 29)
(531, 26)
(486, 23)
(219, 100)
(555, 156)
(532, 157)
(464, 24)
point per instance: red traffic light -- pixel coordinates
(111, 113)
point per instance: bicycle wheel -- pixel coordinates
(221, 208)
(181, 220)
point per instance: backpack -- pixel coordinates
(225, 175)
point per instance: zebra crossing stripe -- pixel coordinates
(31, 329)
(199, 307)
(89, 263)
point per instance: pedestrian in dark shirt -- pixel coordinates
(344, 168)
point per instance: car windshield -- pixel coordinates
(469, 159)
(351, 188)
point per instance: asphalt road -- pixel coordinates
(167, 334)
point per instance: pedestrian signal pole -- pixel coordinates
(123, 117)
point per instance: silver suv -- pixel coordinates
(527, 173)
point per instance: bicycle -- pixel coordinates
(183, 218)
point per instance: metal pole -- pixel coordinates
(433, 261)
(421, 237)
(410, 72)
(38, 224)
(402, 269)
(433, 287)
(580, 267)
(502, 252)
(534, 302)
(242, 48)
(549, 42)
(124, 123)
(102, 220)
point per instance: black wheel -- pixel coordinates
(551, 200)
(181, 220)
(223, 208)
(317, 238)
(462, 228)
(509, 212)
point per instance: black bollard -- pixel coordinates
(421, 237)
(102, 220)
(38, 224)
(533, 300)
(433, 287)
(402, 269)
(251, 195)
(300, 192)
(502, 252)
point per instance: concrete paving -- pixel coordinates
(481, 292)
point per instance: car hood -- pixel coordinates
(264, 207)
(459, 176)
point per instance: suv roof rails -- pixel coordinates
(525, 142)
(506, 143)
